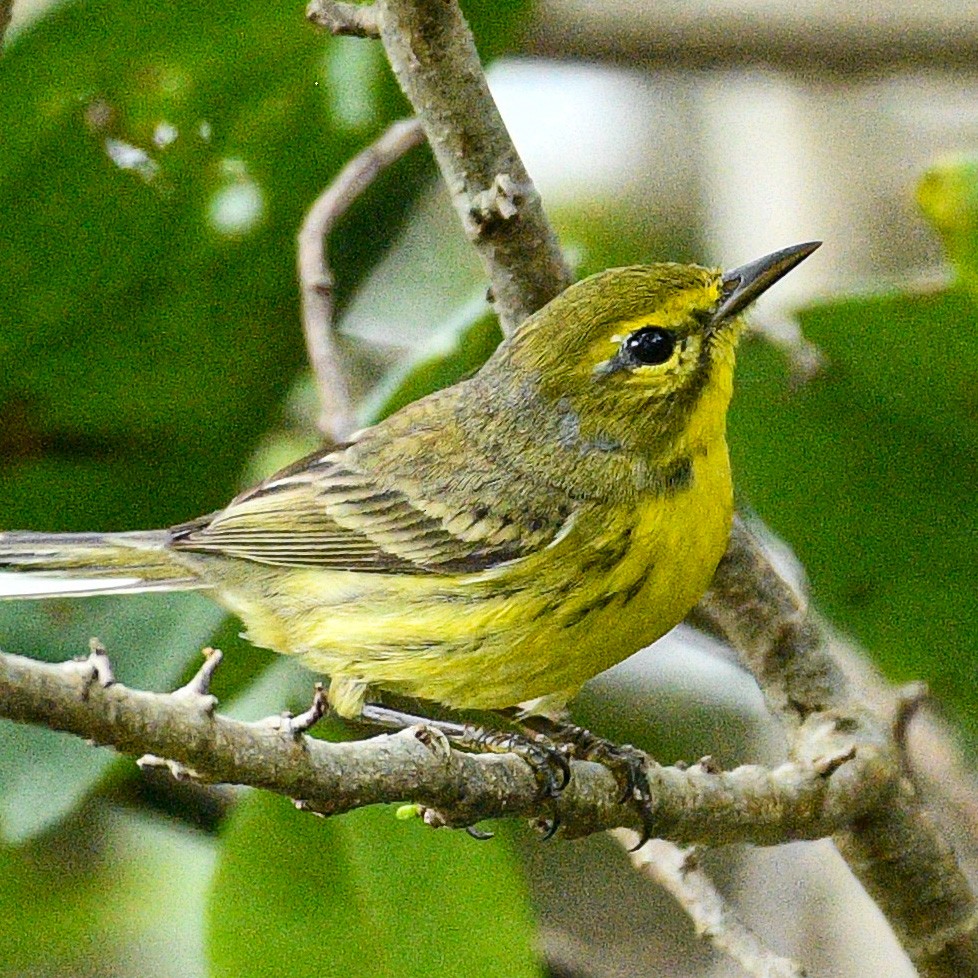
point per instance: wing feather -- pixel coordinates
(323, 512)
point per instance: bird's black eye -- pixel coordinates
(651, 344)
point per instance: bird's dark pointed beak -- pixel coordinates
(741, 286)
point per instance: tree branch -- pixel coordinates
(895, 850)
(807, 799)
(431, 50)
(752, 608)
(336, 420)
(678, 873)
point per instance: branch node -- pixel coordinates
(433, 818)
(178, 771)
(93, 668)
(500, 203)
(298, 726)
(708, 765)
(827, 766)
(197, 691)
(910, 698)
(692, 857)
(347, 19)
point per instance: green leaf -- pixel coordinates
(911, 357)
(868, 470)
(43, 774)
(149, 315)
(948, 196)
(158, 163)
(365, 894)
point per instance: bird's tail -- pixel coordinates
(48, 565)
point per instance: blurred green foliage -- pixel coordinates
(365, 894)
(869, 468)
(155, 165)
(153, 175)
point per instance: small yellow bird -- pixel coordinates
(491, 545)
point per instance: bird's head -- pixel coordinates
(641, 357)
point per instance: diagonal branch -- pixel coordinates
(431, 50)
(677, 872)
(895, 850)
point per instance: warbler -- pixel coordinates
(492, 545)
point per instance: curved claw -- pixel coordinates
(644, 837)
(560, 759)
(553, 763)
(626, 763)
(549, 764)
(552, 824)
(481, 834)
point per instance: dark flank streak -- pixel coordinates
(680, 475)
(636, 586)
(605, 560)
(579, 614)
(670, 479)
(605, 600)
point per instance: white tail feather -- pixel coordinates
(48, 565)
(18, 585)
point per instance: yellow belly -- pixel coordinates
(538, 627)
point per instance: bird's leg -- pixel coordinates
(626, 763)
(549, 763)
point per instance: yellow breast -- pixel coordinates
(538, 627)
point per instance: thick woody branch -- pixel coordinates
(914, 878)
(895, 850)
(802, 800)
(431, 50)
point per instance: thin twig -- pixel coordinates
(336, 419)
(6, 15)
(677, 872)
(351, 19)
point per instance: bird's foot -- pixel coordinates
(548, 761)
(628, 764)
